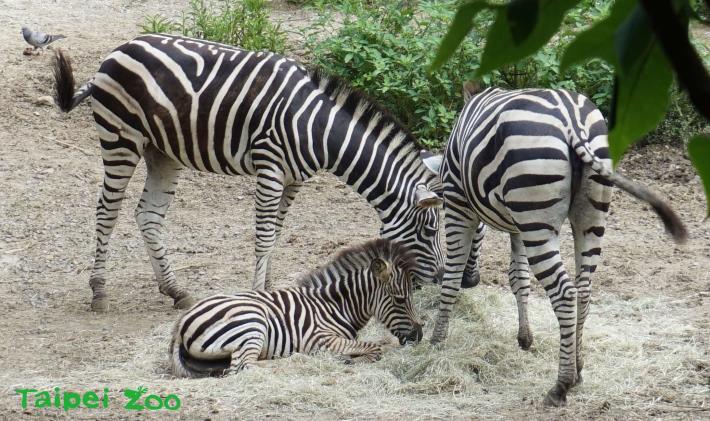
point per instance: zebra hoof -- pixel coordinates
(525, 341)
(100, 304)
(557, 396)
(470, 280)
(579, 380)
(183, 303)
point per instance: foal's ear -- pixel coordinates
(381, 269)
(470, 89)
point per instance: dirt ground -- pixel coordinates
(648, 332)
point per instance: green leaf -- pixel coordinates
(643, 85)
(632, 40)
(699, 151)
(597, 41)
(460, 27)
(510, 38)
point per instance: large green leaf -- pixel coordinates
(513, 37)
(644, 78)
(699, 151)
(460, 27)
(597, 41)
(633, 40)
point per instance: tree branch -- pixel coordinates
(686, 62)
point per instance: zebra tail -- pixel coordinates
(64, 94)
(674, 226)
(182, 365)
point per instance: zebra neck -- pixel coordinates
(352, 297)
(381, 164)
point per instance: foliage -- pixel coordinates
(383, 48)
(644, 55)
(243, 23)
(699, 151)
(680, 123)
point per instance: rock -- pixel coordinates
(45, 100)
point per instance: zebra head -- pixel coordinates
(417, 229)
(393, 300)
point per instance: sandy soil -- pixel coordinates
(648, 334)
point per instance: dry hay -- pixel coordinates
(642, 359)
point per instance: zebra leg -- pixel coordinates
(460, 226)
(119, 165)
(269, 191)
(352, 350)
(246, 356)
(588, 218)
(543, 251)
(472, 275)
(158, 194)
(289, 194)
(519, 279)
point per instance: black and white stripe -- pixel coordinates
(523, 161)
(180, 102)
(232, 332)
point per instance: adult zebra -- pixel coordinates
(228, 333)
(180, 102)
(522, 161)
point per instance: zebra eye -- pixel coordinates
(399, 299)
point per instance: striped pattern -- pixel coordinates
(179, 102)
(233, 332)
(522, 162)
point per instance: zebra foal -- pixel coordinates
(228, 333)
(522, 162)
(185, 103)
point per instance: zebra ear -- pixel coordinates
(431, 161)
(381, 269)
(470, 89)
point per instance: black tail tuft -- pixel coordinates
(63, 82)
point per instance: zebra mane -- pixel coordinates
(334, 85)
(360, 257)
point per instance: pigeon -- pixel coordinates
(38, 39)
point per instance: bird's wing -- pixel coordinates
(40, 38)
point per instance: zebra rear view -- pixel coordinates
(225, 334)
(185, 103)
(522, 162)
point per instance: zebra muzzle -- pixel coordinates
(415, 335)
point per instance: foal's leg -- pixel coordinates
(246, 356)
(158, 194)
(355, 351)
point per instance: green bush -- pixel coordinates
(243, 23)
(384, 48)
(681, 122)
